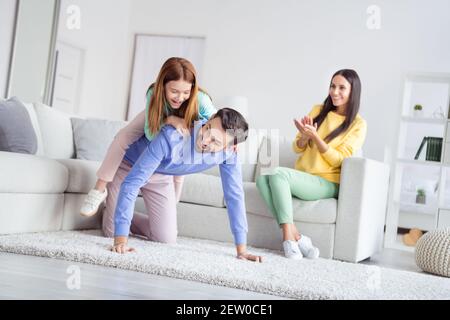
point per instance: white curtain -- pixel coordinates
(150, 53)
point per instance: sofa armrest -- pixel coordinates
(361, 210)
(24, 173)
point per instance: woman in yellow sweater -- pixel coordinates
(330, 133)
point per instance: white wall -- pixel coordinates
(278, 54)
(281, 54)
(107, 45)
(7, 13)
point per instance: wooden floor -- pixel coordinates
(394, 259)
(28, 277)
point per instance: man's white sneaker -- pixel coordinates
(291, 250)
(306, 247)
(93, 200)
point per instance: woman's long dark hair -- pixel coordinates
(352, 106)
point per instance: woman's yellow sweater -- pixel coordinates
(328, 164)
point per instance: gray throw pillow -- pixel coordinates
(16, 130)
(93, 136)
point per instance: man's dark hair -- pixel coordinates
(234, 124)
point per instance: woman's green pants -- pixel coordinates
(278, 188)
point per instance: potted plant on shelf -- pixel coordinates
(418, 110)
(421, 197)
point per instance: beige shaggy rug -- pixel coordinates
(215, 263)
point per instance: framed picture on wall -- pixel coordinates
(150, 52)
(68, 73)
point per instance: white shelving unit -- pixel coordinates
(432, 91)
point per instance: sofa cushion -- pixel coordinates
(16, 129)
(56, 130)
(203, 189)
(23, 173)
(92, 137)
(30, 212)
(320, 211)
(82, 174)
(248, 172)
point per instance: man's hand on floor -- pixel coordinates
(242, 253)
(120, 245)
(250, 257)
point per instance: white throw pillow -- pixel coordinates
(56, 130)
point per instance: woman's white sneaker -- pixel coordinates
(306, 247)
(92, 202)
(291, 250)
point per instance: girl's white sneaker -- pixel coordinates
(92, 202)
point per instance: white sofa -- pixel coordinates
(44, 192)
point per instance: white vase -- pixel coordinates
(418, 113)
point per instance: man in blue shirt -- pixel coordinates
(148, 167)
